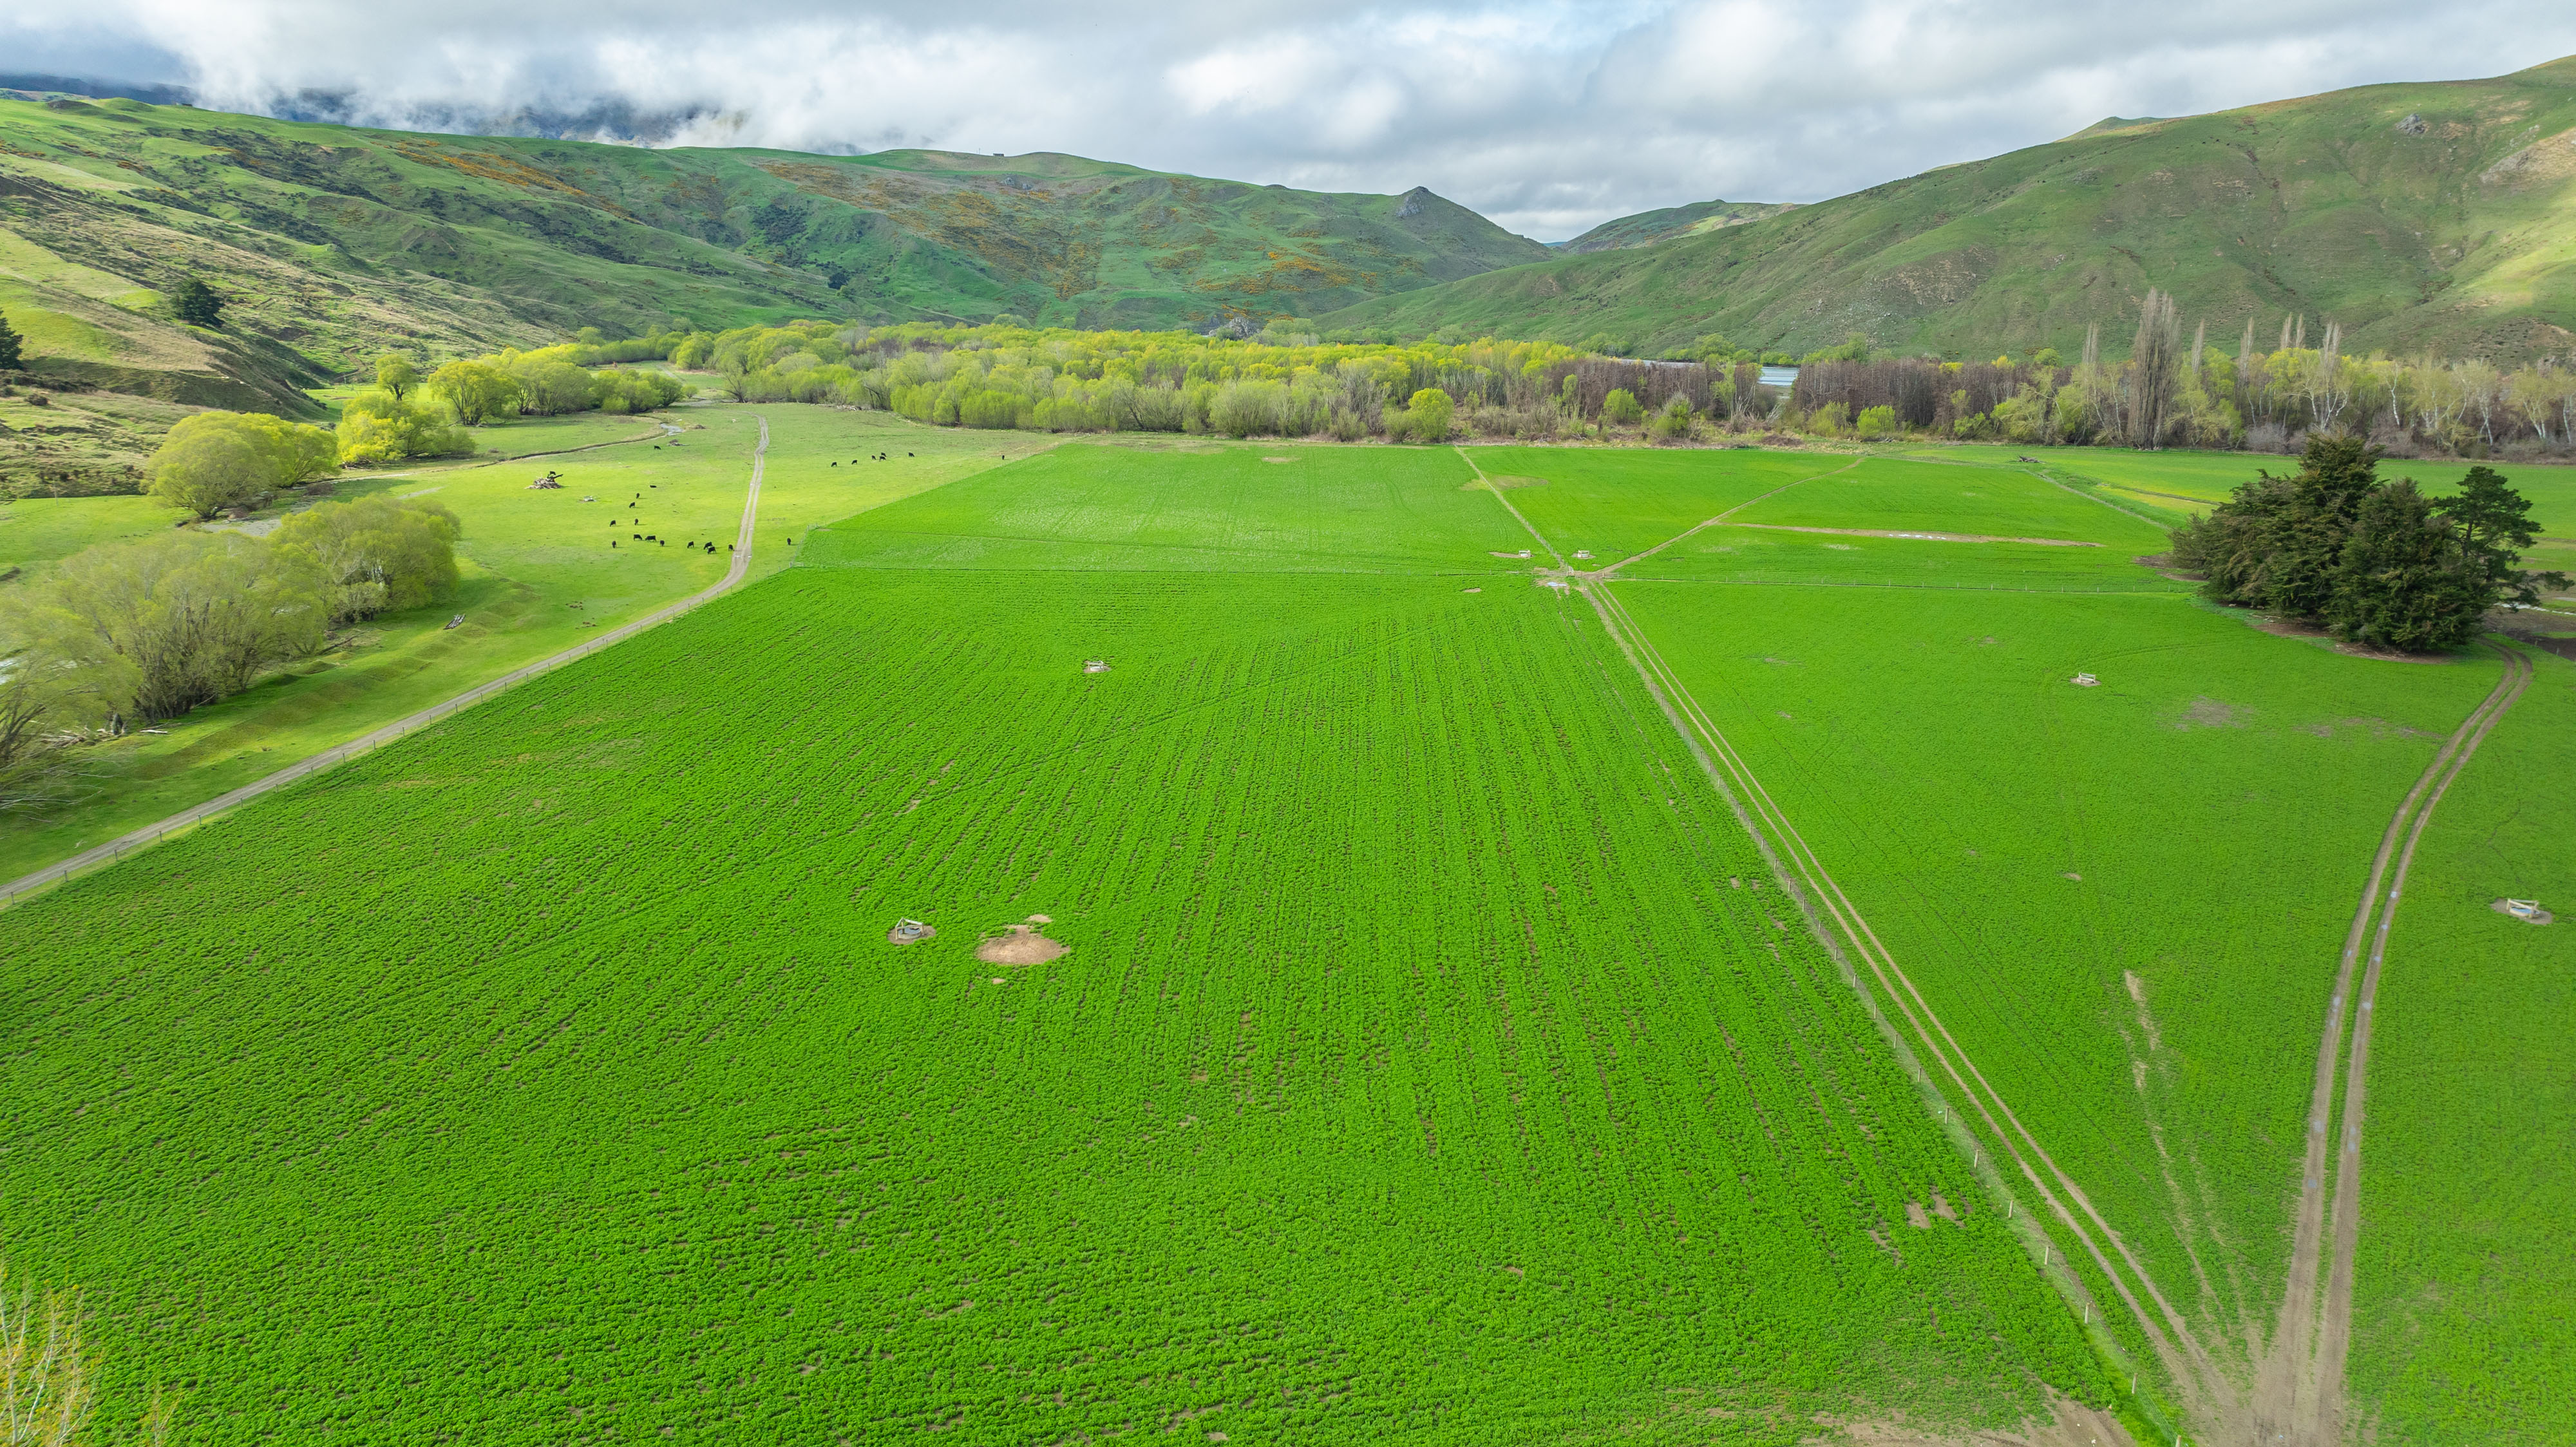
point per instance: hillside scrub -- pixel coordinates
(2377, 561)
(216, 460)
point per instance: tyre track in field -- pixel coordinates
(124, 844)
(2299, 1386)
(1692, 531)
(2210, 1394)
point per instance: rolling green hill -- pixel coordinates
(2435, 215)
(331, 242)
(1696, 219)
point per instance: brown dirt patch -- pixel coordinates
(2069, 1424)
(2292, 628)
(2209, 713)
(1917, 1217)
(1510, 481)
(1023, 945)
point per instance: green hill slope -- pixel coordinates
(2433, 215)
(1696, 219)
(332, 242)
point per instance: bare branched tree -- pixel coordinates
(2330, 391)
(2155, 370)
(44, 1369)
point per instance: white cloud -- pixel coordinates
(1546, 116)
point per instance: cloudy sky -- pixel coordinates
(1547, 117)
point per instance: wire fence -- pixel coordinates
(116, 849)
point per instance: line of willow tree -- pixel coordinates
(408, 413)
(135, 632)
(2178, 390)
(2174, 389)
(1277, 382)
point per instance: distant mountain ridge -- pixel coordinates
(2437, 215)
(332, 243)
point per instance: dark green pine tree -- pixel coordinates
(2494, 526)
(2401, 581)
(197, 304)
(10, 360)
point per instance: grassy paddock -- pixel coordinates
(538, 577)
(1196, 506)
(2462, 1282)
(1614, 503)
(1422, 1065)
(2200, 822)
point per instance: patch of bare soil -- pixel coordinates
(1920, 537)
(2162, 563)
(2069, 1424)
(1022, 945)
(2209, 713)
(1917, 1217)
(1514, 481)
(1279, 459)
(2292, 628)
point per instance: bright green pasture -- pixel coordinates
(2464, 1292)
(2184, 482)
(1272, 507)
(1418, 1070)
(1614, 502)
(1899, 496)
(2196, 828)
(1729, 553)
(35, 531)
(538, 577)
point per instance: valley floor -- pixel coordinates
(1819, 944)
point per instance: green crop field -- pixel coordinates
(2463, 1275)
(1617, 503)
(2125, 901)
(1430, 1057)
(539, 576)
(1434, 1053)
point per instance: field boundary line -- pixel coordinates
(2300, 1374)
(1934, 1037)
(1697, 528)
(115, 849)
(2189, 1364)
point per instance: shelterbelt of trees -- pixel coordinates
(1283, 380)
(127, 633)
(2373, 559)
(409, 414)
(2178, 392)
